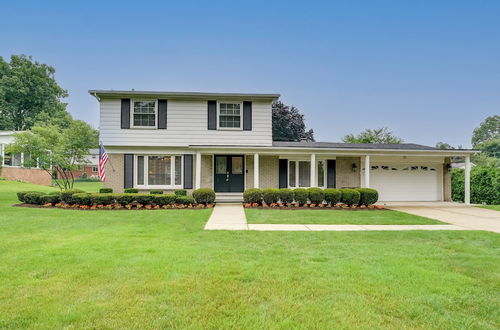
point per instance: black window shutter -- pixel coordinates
(283, 175)
(188, 171)
(247, 116)
(128, 162)
(212, 115)
(125, 114)
(162, 114)
(331, 167)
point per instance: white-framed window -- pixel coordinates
(158, 171)
(230, 115)
(95, 168)
(143, 113)
(299, 173)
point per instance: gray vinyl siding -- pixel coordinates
(187, 125)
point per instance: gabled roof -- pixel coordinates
(190, 95)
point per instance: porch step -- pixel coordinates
(228, 197)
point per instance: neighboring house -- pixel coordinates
(167, 140)
(12, 164)
(88, 168)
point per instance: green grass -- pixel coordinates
(491, 207)
(88, 186)
(336, 217)
(159, 269)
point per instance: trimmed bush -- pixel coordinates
(166, 199)
(367, 196)
(252, 195)
(82, 199)
(21, 195)
(349, 196)
(484, 185)
(181, 192)
(316, 195)
(131, 191)
(67, 195)
(186, 200)
(332, 196)
(286, 195)
(300, 195)
(156, 192)
(204, 195)
(33, 197)
(50, 198)
(102, 199)
(144, 199)
(271, 195)
(125, 199)
(105, 190)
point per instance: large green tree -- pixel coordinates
(488, 130)
(29, 94)
(288, 124)
(53, 148)
(378, 135)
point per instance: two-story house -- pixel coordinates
(223, 141)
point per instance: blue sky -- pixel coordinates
(428, 70)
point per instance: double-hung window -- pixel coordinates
(144, 113)
(299, 173)
(230, 115)
(158, 171)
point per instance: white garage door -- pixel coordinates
(407, 182)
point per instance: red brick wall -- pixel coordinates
(32, 175)
(86, 169)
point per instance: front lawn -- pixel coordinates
(336, 217)
(160, 269)
(491, 207)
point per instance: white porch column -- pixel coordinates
(467, 180)
(256, 171)
(197, 181)
(314, 182)
(367, 171)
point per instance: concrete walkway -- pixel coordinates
(231, 216)
(474, 218)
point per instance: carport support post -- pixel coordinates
(367, 171)
(256, 170)
(467, 180)
(314, 182)
(197, 184)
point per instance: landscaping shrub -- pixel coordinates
(252, 195)
(131, 191)
(102, 199)
(186, 200)
(124, 199)
(82, 199)
(300, 195)
(332, 196)
(484, 185)
(67, 195)
(22, 194)
(105, 190)
(144, 199)
(50, 198)
(181, 192)
(270, 195)
(33, 197)
(166, 199)
(286, 195)
(367, 196)
(349, 196)
(156, 192)
(204, 195)
(316, 195)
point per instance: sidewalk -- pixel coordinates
(231, 216)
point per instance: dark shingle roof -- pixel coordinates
(338, 145)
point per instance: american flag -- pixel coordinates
(103, 159)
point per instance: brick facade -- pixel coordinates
(207, 172)
(31, 175)
(345, 176)
(115, 173)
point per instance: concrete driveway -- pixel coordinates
(454, 213)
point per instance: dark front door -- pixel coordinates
(229, 173)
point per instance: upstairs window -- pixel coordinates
(230, 115)
(144, 114)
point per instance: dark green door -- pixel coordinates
(229, 173)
